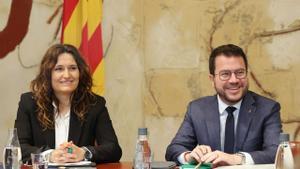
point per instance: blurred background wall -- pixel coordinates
(156, 58)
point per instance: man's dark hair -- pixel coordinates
(228, 50)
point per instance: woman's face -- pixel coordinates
(65, 75)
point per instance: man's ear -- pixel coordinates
(211, 78)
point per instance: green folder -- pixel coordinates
(202, 166)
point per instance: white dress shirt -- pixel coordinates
(223, 117)
(62, 123)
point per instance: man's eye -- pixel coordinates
(240, 73)
(225, 74)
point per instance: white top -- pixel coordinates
(62, 124)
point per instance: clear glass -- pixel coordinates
(12, 152)
(39, 161)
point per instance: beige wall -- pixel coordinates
(19, 67)
(156, 59)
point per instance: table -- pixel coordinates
(257, 166)
(121, 165)
(128, 165)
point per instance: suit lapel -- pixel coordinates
(213, 124)
(244, 120)
(74, 129)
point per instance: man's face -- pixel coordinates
(229, 80)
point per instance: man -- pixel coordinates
(245, 133)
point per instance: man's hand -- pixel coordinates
(219, 158)
(197, 153)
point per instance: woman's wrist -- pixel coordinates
(87, 154)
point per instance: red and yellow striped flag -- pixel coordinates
(81, 27)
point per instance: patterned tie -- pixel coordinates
(229, 131)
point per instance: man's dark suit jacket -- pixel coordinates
(96, 133)
(257, 131)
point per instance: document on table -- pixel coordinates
(254, 166)
(77, 164)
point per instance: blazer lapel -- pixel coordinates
(244, 120)
(213, 124)
(49, 135)
(74, 129)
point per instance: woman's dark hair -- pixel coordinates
(226, 50)
(43, 92)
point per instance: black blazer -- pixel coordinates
(96, 132)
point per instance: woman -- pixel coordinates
(61, 116)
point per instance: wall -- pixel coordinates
(19, 66)
(156, 55)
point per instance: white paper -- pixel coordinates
(81, 163)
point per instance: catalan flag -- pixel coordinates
(81, 27)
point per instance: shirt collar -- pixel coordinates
(67, 115)
(223, 106)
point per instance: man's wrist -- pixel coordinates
(242, 158)
(184, 156)
(189, 159)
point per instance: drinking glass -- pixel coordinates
(39, 161)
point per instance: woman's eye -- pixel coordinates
(73, 68)
(58, 69)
